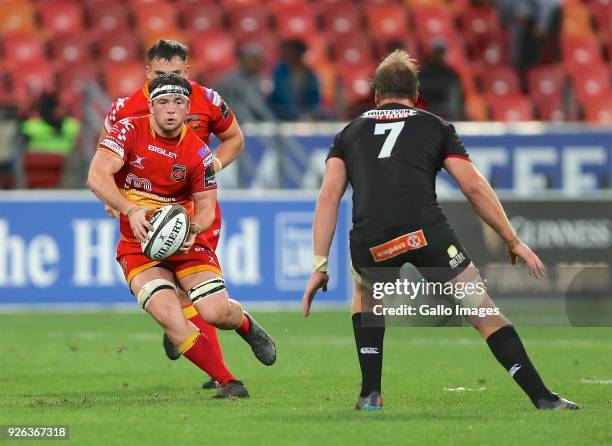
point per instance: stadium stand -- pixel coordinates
(341, 35)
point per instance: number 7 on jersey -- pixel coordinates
(395, 129)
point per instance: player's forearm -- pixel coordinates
(488, 207)
(228, 150)
(324, 226)
(103, 186)
(203, 219)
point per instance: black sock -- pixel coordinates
(369, 332)
(509, 351)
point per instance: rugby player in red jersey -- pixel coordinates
(208, 114)
(152, 185)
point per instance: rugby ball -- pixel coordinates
(170, 229)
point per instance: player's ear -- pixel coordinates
(150, 103)
(149, 72)
(376, 100)
(187, 71)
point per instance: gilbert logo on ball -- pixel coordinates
(170, 229)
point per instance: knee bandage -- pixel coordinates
(474, 291)
(207, 288)
(150, 288)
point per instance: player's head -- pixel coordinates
(167, 56)
(169, 101)
(396, 78)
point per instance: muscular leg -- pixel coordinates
(217, 308)
(161, 302)
(369, 331)
(207, 291)
(505, 343)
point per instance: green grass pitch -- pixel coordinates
(105, 375)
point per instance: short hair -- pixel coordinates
(170, 79)
(397, 77)
(167, 50)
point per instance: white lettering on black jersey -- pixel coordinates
(392, 156)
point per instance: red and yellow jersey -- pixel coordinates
(208, 112)
(158, 171)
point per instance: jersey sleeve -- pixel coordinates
(120, 139)
(221, 115)
(452, 146)
(203, 178)
(114, 114)
(337, 149)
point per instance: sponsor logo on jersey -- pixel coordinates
(224, 109)
(209, 176)
(399, 245)
(135, 181)
(456, 257)
(385, 115)
(161, 151)
(138, 162)
(112, 145)
(205, 153)
(368, 350)
(194, 121)
(179, 172)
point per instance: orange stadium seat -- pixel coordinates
(43, 170)
(479, 21)
(476, 108)
(295, 21)
(511, 108)
(110, 19)
(316, 50)
(241, 3)
(387, 21)
(552, 110)
(434, 21)
(421, 3)
(494, 50)
(356, 82)
(61, 17)
(546, 82)
(29, 81)
(137, 4)
(353, 49)
(16, 16)
(591, 84)
(339, 18)
(201, 19)
(500, 81)
(599, 110)
(123, 79)
(213, 53)
(73, 77)
(118, 48)
(250, 21)
(580, 52)
(408, 43)
(160, 19)
(576, 20)
(68, 49)
(22, 49)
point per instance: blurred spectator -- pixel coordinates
(533, 24)
(296, 93)
(50, 129)
(440, 86)
(243, 87)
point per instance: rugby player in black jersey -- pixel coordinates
(391, 156)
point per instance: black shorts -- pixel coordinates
(434, 250)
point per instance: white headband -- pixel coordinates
(165, 90)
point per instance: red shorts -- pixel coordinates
(199, 258)
(212, 234)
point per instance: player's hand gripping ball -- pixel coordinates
(170, 229)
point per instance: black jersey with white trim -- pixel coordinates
(392, 156)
